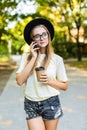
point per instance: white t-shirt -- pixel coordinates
(38, 91)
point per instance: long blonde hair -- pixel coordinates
(49, 51)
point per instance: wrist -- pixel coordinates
(34, 57)
(50, 81)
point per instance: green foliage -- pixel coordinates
(64, 14)
(81, 64)
(63, 47)
(18, 40)
(6, 7)
(3, 48)
(4, 58)
(16, 47)
(8, 15)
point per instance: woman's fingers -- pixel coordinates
(34, 46)
(44, 78)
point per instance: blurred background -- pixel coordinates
(69, 18)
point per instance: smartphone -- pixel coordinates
(36, 46)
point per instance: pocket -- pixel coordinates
(27, 104)
(54, 101)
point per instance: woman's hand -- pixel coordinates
(59, 85)
(34, 49)
(44, 78)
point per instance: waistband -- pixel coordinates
(50, 98)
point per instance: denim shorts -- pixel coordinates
(48, 109)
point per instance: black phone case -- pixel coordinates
(36, 46)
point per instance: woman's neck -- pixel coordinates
(42, 50)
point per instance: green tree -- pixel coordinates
(65, 13)
(10, 13)
(17, 31)
(6, 6)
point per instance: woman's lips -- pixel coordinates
(42, 42)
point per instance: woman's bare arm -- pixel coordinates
(22, 76)
(59, 85)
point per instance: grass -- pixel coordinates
(4, 58)
(78, 64)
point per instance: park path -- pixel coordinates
(74, 103)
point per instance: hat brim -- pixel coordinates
(35, 22)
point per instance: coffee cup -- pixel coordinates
(39, 71)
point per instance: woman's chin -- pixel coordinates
(43, 46)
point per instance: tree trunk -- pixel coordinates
(79, 54)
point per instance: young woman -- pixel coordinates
(41, 104)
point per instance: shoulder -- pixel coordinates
(57, 58)
(24, 55)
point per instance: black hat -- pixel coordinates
(35, 22)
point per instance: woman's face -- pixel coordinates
(40, 35)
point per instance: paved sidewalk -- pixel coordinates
(74, 103)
